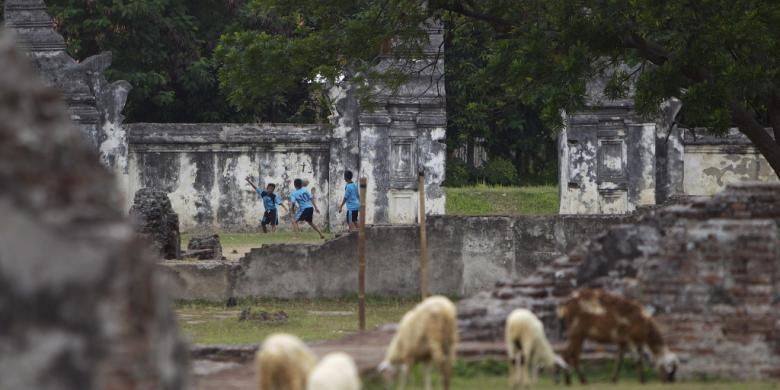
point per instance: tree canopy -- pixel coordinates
(162, 47)
(718, 57)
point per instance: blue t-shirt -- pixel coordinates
(302, 197)
(270, 200)
(352, 196)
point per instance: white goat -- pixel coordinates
(336, 371)
(427, 334)
(528, 348)
(283, 363)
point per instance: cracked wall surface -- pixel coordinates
(613, 161)
(467, 255)
(711, 163)
(203, 168)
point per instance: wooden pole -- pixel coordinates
(362, 256)
(423, 238)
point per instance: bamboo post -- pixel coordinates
(423, 238)
(362, 257)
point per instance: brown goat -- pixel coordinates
(599, 316)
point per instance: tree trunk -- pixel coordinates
(766, 145)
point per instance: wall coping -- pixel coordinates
(226, 133)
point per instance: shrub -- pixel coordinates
(457, 174)
(501, 171)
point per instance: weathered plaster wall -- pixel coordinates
(404, 134)
(203, 168)
(711, 163)
(607, 162)
(467, 255)
(94, 104)
(344, 146)
(612, 162)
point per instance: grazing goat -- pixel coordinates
(605, 318)
(283, 363)
(427, 334)
(528, 348)
(336, 371)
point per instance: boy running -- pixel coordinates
(303, 206)
(270, 201)
(352, 200)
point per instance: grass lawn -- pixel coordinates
(323, 319)
(243, 242)
(484, 375)
(311, 320)
(496, 200)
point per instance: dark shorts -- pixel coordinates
(352, 216)
(270, 217)
(306, 215)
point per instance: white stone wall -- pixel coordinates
(709, 168)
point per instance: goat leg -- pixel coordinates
(640, 367)
(403, 374)
(514, 372)
(446, 373)
(428, 368)
(618, 363)
(573, 350)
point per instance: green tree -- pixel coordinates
(720, 58)
(481, 111)
(301, 45)
(327, 40)
(162, 47)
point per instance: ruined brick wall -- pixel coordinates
(715, 282)
(709, 268)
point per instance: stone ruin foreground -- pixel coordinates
(81, 306)
(708, 268)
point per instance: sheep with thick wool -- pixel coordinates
(336, 371)
(427, 334)
(283, 363)
(527, 348)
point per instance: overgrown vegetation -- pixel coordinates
(499, 200)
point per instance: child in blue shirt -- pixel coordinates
(303, 206)
(270, 202)
(352, 200)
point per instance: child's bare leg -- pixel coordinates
(296, 229)
(264, 228)
(316, 230)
